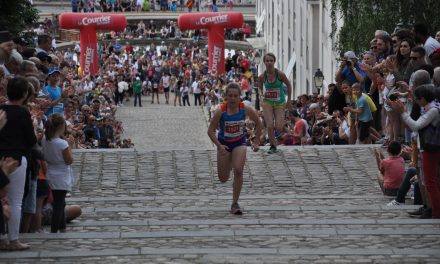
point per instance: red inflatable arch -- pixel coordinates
(87, 24)
(215, 23)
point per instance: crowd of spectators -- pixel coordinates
(389, 95)
(150, 5)
(54, 91)
(360, 107)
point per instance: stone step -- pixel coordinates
(247, 197)
(251, 212)
(240, 255)
(252, 200)
(388, 241)
(255, 222)
(252, 208)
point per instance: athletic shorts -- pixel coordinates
(232, 145)
(42, 188)
(275, 105)
(30, 201)
(166, 89)
(364, 130)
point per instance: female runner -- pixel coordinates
(270, 86)
(229, 119)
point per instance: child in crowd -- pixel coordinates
(392, 169)
(58, 156)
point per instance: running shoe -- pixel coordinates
(235, 209)
(394, 203)
(272, 149)
(417, 212)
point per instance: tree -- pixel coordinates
(17, 16)
(361, 18)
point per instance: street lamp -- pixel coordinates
(318, 79)
(257, 60)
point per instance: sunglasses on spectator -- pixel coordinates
(374, 48)
(414, 58)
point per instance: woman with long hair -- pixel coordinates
(58, 156)
(17, 139)
(270, 85)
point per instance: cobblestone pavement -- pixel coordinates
(162, 203)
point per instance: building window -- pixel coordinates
(307, 57)
(273, 22)
(308, 86)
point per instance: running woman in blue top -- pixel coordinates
(231, 139)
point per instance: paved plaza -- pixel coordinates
(162, 203)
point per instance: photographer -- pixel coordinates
(335, 130)
(350, 70)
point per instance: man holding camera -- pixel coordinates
(350, 70)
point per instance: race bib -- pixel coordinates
(233, 129)
(272, 95)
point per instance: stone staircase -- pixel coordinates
(301, 205)
(162, 203)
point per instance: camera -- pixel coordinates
(393, 97)
(348, 63)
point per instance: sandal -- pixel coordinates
(17, 245)
(4, 245)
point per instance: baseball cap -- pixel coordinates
(137, 78)
(53, 71)
(350, 55)
(44, 57)
(314, 106)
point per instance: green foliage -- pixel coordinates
(361, 18)
(17, 15)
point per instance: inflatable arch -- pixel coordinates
(215, 23)
(88, 24)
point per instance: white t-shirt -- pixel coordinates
(345, 127)
(166, 81)
(195, 87)
(431, 44)
(59, 174)
(122, 86)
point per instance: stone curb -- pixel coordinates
(228, 251)
(254, 232)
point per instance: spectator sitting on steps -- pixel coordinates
(392, 169)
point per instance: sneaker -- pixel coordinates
(272, 149)
(417, 212)
(235, 209)
(427, 214)
(394, 203)
(380, 141)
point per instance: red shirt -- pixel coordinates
(299, 129)
(128, 49)
(245, 64)
(393, 171)
(244, 84)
